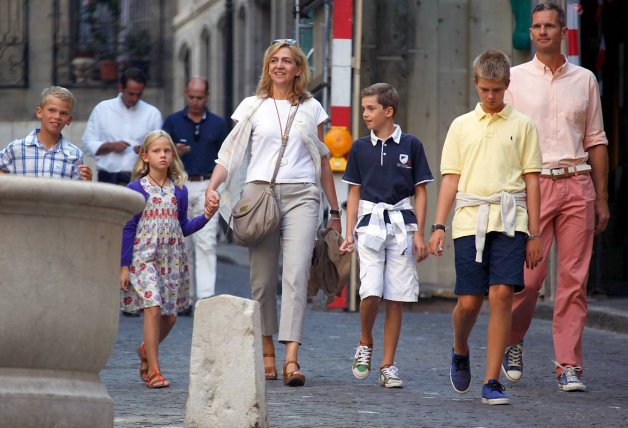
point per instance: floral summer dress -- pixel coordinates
(159, 272)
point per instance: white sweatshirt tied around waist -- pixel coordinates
(508, 202)
(376, 230)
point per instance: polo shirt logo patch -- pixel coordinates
(404, 162)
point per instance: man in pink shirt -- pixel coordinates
(564, 102)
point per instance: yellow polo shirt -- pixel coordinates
(490, 152)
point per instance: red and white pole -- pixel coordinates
(573, 31)
(341, 45)
(341, 93)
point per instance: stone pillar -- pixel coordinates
(59, 308)
(226, 371)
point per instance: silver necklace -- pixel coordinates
(161, 186)
(283, 131)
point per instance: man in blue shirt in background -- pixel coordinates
(198, 135)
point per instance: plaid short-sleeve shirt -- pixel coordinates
(27, 156)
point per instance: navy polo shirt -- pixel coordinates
(387, 171)
(205, 142)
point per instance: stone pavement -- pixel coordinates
(607, 313)
(332, 397)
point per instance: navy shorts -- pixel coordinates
(503, 260)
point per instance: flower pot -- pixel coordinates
(60, 298)
(108, 70)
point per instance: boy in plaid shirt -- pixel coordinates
(44, 152)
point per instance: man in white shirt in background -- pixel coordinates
(116, 129)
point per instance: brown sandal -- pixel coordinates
(295, 378)
(143, 362)
(270, 372)
(156, 380)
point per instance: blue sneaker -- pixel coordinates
(460, 373)
(512, 364)
(493, 393)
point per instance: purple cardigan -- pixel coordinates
(187, 226)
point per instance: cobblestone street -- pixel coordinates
(332, 397)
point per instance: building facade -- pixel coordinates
(424, 49)
(69, 43)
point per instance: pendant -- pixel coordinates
(283, 162)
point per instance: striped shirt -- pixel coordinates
(28, 156)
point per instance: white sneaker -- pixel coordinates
(389, 377)
(361, 366)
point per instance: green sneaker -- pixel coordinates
(361, 366)
(389, 377)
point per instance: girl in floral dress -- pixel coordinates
(154, 273)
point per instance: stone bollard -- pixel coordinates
(226, 372)
(59, 309)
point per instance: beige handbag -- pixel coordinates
(256, 215)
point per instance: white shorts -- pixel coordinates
(390, 272)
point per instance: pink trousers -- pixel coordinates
(567, 215)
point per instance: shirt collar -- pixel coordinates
(396, 136)
(32, 140)
(481, 114)
(185, 113)
(542, 68)
(124, 105)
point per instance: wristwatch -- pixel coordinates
(438, 226)
(335, 212)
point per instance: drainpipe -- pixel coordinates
(326, 37)
(228, 77)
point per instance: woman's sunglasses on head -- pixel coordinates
(291, 42)
(288, 42)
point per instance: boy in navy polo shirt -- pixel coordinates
(387, 172)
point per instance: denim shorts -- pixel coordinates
(502, 263)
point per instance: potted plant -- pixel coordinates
(137, 46)
(83, 62)
(103, 17)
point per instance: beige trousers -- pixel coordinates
(294, 238)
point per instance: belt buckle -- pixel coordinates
(560, 171)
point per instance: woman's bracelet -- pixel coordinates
(333, 217)
(532, 236)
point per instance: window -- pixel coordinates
(13, 44)
(95, 40)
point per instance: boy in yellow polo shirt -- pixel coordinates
(490, 166)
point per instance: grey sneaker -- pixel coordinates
(512, 364)
(361, 366)
(389, 377)
(569, 380)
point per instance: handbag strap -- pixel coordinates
(284, 141)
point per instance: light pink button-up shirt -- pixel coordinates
(565, 106)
